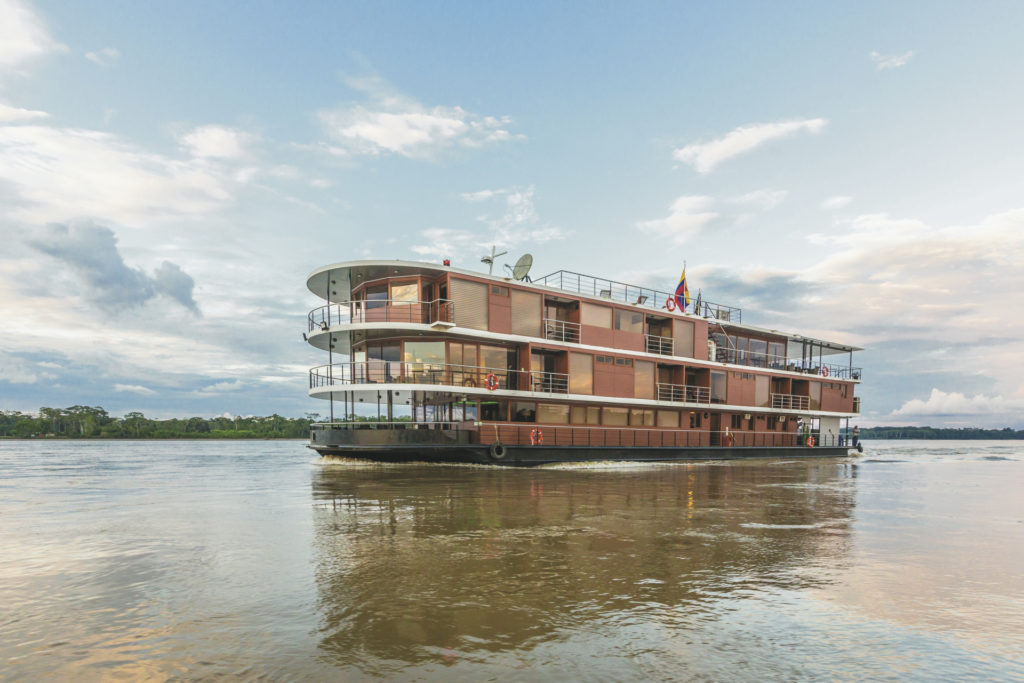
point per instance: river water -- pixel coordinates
(254, 560)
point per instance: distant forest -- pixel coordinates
(83, 422)
(961, 433)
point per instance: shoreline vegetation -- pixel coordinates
(93, 422)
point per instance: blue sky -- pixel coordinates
(170, 173)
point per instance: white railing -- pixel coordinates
(561, 330)
(661, 345)
(442, 374)
(790, 402)
(684, 393)
(381, 311)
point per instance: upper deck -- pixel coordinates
(561, 308)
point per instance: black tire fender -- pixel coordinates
(497, 450)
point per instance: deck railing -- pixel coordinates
(382, 311)
(763, 360)
(685, 393)
(656, 344)
(561, 330)
(442, 374)
(790, 402)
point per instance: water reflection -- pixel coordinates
(433, 564)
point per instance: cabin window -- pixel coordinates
(553, 413)
(758, 353)
(590, 415)
(615, 417)
(581, 373)
(776, 355)
(499, 291)
(464, 410)
(737, 421)
(717, 386)
(629, 321)
(404, 295)
(492, 411)
(668, 418)
(640, 417)
(771, 423)
(595, 316)
(694, 420)
(643, 379)
(524, 412)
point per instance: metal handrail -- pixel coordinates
(382, 311)
(684, 393)
(790, 402)
(441, 374)
(633, 294)
(774, 362)
(662, 345)
(561, 330)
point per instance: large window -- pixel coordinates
(428, 352)
(717, 386)
(404, 294)
(581, 373)
(589, 415)
(668, 418)
(494, 357)
(553, 413)
(641, 417)
(643, 379)
(376, 296)
(597, 316)
(758, 353)
(629, 321)
(524, 412)
(616, 417)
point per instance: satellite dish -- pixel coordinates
(522, 267)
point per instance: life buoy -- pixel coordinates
(670, 304)
(536, 437)
(824, 371)
(810, 442)
(497, 450)
(491, 381)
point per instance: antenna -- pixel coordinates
(489, 260)
(522, 268)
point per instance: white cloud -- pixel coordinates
(23, 37)
(890, 61)
(942, 404)
(393, 123)
(704, 156)
(836, 202)
(321, 183)
(134, 389)
(687, 217)
(517, 224)
(105, 57)
(762, 199)
(13, 371)
(217, 142)
(221, 387)
(10, 114)
(62, 173)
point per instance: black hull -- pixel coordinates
(530, 456)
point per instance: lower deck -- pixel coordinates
(524, 445)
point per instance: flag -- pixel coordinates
(682, 295)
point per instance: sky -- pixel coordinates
(170, 173)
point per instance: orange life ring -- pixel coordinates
(810, 442)
(670, 304)
(824, 371)
(491, 381)
(536, 437)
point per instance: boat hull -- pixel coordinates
(531, 456)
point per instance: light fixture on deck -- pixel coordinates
(642, 299)
(606, 294)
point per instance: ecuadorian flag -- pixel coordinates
(682, 296)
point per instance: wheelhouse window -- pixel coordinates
(404, 294)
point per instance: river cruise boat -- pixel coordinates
(432, 363)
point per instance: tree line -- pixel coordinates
(958, 433)
(82, 422)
